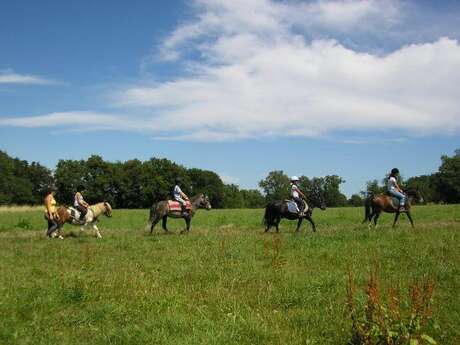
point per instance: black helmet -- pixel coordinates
(394, 171)
(178, 180)
(80, 188)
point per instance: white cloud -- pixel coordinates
(9, 77)
(259, 74)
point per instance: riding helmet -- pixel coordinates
(294, 178)
(394, 171)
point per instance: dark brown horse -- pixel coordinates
(161, 210)
(374, 205)
(277, 210)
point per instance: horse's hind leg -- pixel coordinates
(187, 223)
(277, 223)
(152, 223)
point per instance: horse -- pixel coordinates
(277, 210)
(374, 205)
(71, 216)
(162, 210)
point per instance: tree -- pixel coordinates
(449, 178)
(208, 182)
(252, 198)
(275, 186)
(356, 200)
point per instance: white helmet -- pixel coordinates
(294, 178)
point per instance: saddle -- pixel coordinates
(293, 208)
(394, 200)
(74, 213)
(175, 205)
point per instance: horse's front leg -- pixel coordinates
(163, 224)
(308, 217)
(410, 219)
(299, 223)
(396, 219)
(96, 229)
(187, 225)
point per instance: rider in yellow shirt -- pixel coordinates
(50, 211)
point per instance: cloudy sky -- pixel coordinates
(241, 87)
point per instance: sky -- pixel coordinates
(240, 87)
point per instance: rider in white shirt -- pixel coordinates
(297, 195)
(395, 190)
(180, 196)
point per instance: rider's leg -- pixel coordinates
(83, 211)
(300, 205)
(182, 203)
(401, 197)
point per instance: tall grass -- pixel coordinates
(224, 283)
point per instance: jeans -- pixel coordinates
(299, 203)
(52, 225)
(399, 195)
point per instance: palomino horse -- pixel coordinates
(161, 210)
(276, 210)
(68, 215)
(376, 204)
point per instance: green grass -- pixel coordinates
(224, 283)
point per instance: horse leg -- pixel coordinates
(410, 219)
(163, 224)
(299, 222)
(152, 223)
(98, 234)
(187, 224)
(277, 223)
(311, 222)
(376, 217)
(396, 219)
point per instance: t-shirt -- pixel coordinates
(78, 199)
(392, 183)
(177, 192)
(294, 191)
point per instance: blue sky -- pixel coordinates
(352, 88)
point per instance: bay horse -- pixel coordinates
(70, 216)
(277, 210)
(374, 205)
(161, 210)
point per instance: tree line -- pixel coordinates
(138, 184)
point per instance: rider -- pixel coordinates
(297, 195)
(80, 204)
(50, 211)
(395, 190)
(180, 196)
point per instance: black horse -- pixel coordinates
(277, 210)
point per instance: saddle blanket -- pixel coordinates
(175, 205)
(74, 213)
(293, 208)
(395, 201)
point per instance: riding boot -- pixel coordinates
(82, 218)
(184, 210)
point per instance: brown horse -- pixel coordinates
(376, 204)
(71, 216)
(161, 210)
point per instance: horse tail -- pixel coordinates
(367, 208)
(268, 216)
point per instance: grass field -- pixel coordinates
(224, 283)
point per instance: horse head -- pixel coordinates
(204, 202)
(107, 209)
(414, 194)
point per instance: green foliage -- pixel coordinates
(449, 178)
(275, 186)
(355, 200)
(21, 182)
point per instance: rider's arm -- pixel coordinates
(398, 188)
(183, 195)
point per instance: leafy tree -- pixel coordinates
(275, 186)
(356, 200)
(208, 182)
(449, 178)
(232, 197)
(252, 198)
